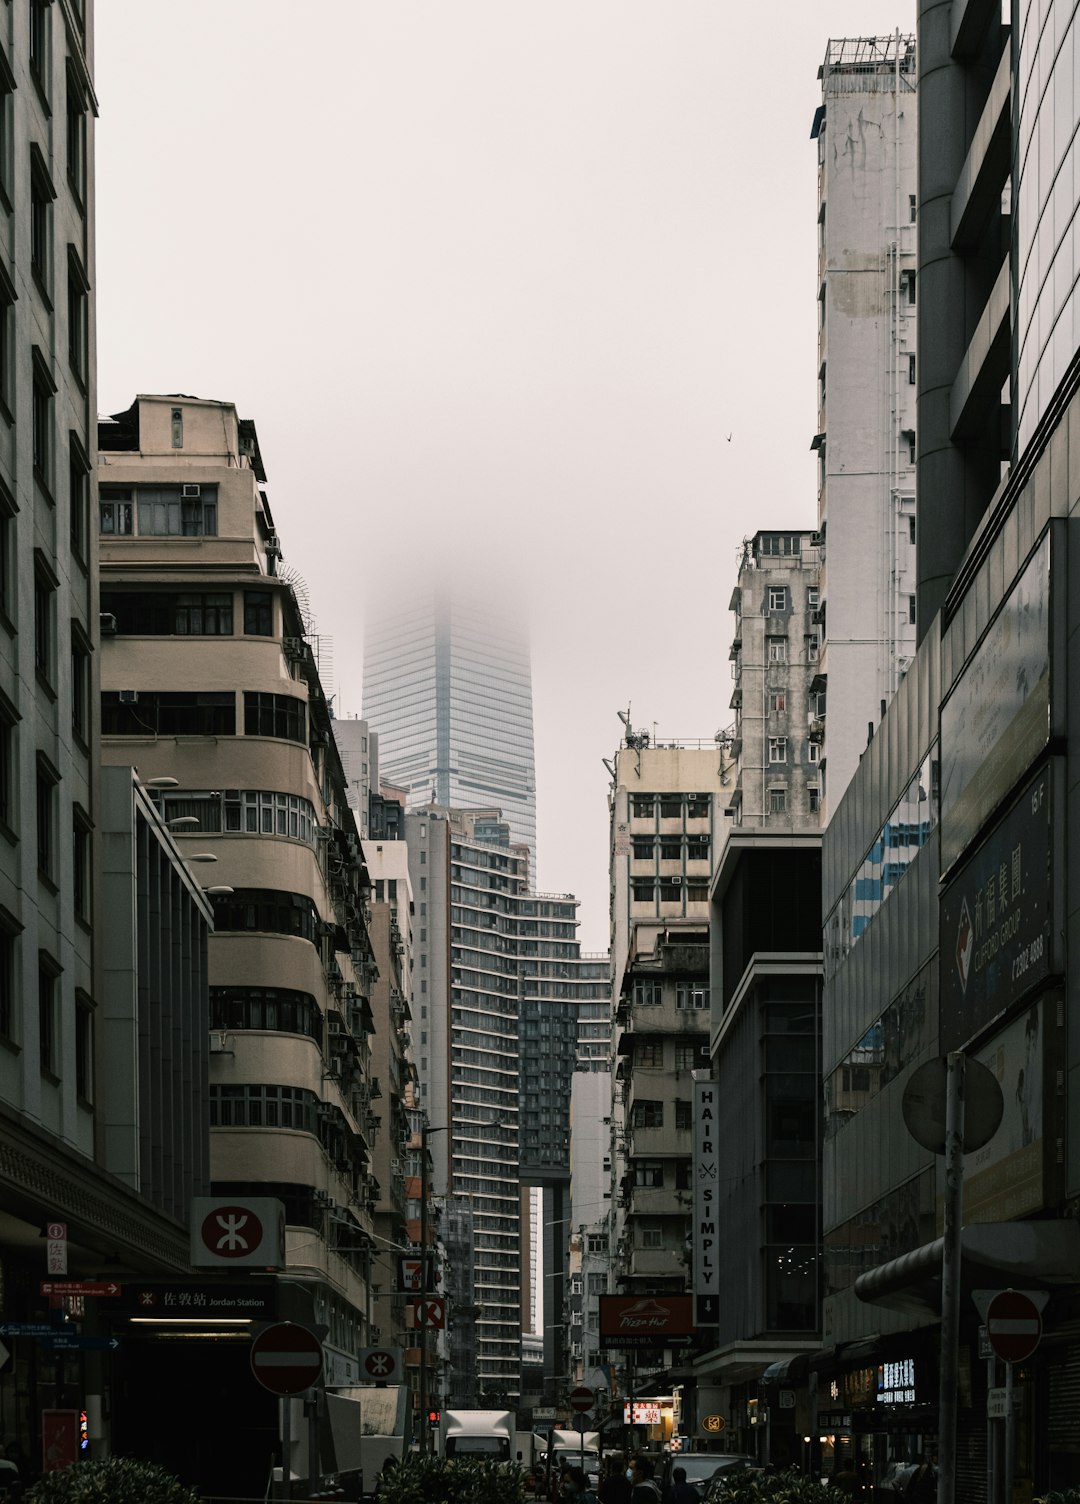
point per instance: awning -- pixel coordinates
(788, 1373)
(1039, 1254)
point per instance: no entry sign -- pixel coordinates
(582, 1399)
(286, 1358)
(1013, 1325)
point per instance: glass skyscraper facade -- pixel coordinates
(448, 688)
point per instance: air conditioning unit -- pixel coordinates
(219, 1042)
(108, 624)
(333, 1026)
(129, 697)
(704, 1052)
(232, 796)
(190, 493)
(273, 543)
(294, 646)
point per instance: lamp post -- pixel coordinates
(425, 1130)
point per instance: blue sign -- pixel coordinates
(30, 1329)
(65, 1344)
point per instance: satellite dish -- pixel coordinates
(924, 1105)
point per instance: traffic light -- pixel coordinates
(434, 1416)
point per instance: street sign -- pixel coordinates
(430, 1311)
(247, 1297)
(71, 1343)
(78, 1287)
(543, 1413)
(248, 1234)
(56, 1248)
(30, 1329)
(712, 1425)
(582, 1399)
(381, 1365)
(286, 1358)
(996, 1407)
(1013, 1325)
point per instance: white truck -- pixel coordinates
(369, 1426)
(487, 1435)
(573, 1449)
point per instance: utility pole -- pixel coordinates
(423, 1286)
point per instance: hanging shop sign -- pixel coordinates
(645, 1320)
(706, 1242)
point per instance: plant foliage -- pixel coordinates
(772, 1488)
(112, 1480)
(441, 1480)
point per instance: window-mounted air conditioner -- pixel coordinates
(129, 697)
(273, 544)
(190, 492)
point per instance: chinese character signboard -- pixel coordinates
(706, 1186)
(997, 926)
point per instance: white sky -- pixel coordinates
(495, 280)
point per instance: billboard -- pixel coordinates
(645, 1320)
(706, 1188)
(998, 935)
(1007, 1178)
(997, 718)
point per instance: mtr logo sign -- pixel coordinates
(247, 1234)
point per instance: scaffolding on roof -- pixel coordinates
(869, 54)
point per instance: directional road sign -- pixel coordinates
(78, 1287)
(63, 1343)
(1013, 1325)
(581, 1399)
(30, 1329)
(286, 1358)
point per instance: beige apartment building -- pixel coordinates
(209, 689)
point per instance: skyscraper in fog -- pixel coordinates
(448, 688)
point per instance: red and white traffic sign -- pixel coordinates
(286, 1358)
(1013, 1325)
(582, 1399)
(430, 1311)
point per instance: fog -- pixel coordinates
(524, 293)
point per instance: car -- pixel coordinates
(702, 1468)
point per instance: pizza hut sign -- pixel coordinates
(646, 1320)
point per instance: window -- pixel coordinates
(911, 370)
(76, 139)
(47, 781)
(8, 299)
(177, 421)
(691, 995)
(912, 207)
(649, 1053)
(778, 801)
(9, 930)
(45, 584)
(41, 421)
(671, 849)
(909, 280)
(258, 613)
(911, 530)
(8, 721)
(652, 1235)
(670, 890)
(80, 871)
(813, 752)
(84, 1048)
(686, 1058)
(643, 889)
(911, 610)
(648, 1114)
(697, 848)
(813, 647)
(267, 910)
(281, 1009)
(117, 511)
(642, 848)
(777, 749)
(204, 615)
(42, 194)
(177, 511)
(777, 597)
(813, 598)
(274, 715)
(78, 499)
(648, 994)
(8, 594)
(684, 1116)
(776, 649)
(153, 713)
(697, 806)
(649, 1172)
(813, 794)
(671, 806)
(777, 700)
(78, 289)
(80, 683)
(908, 437)
(683, 1175)
(39, 41)
(48, 973)
(642, 806)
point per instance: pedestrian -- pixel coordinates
(614, 1485)
(680, 1491)
(644, 1488)
(922, 1485)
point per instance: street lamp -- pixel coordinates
(425, 1130)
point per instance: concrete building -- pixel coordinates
(209, 690)
(359, 749)
(866, 132)
(949, 867)
(448, 689)
(779, 691)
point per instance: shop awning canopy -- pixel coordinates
(1036, 1254)
(788, 1373)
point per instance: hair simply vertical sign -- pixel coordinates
(706, 1185)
